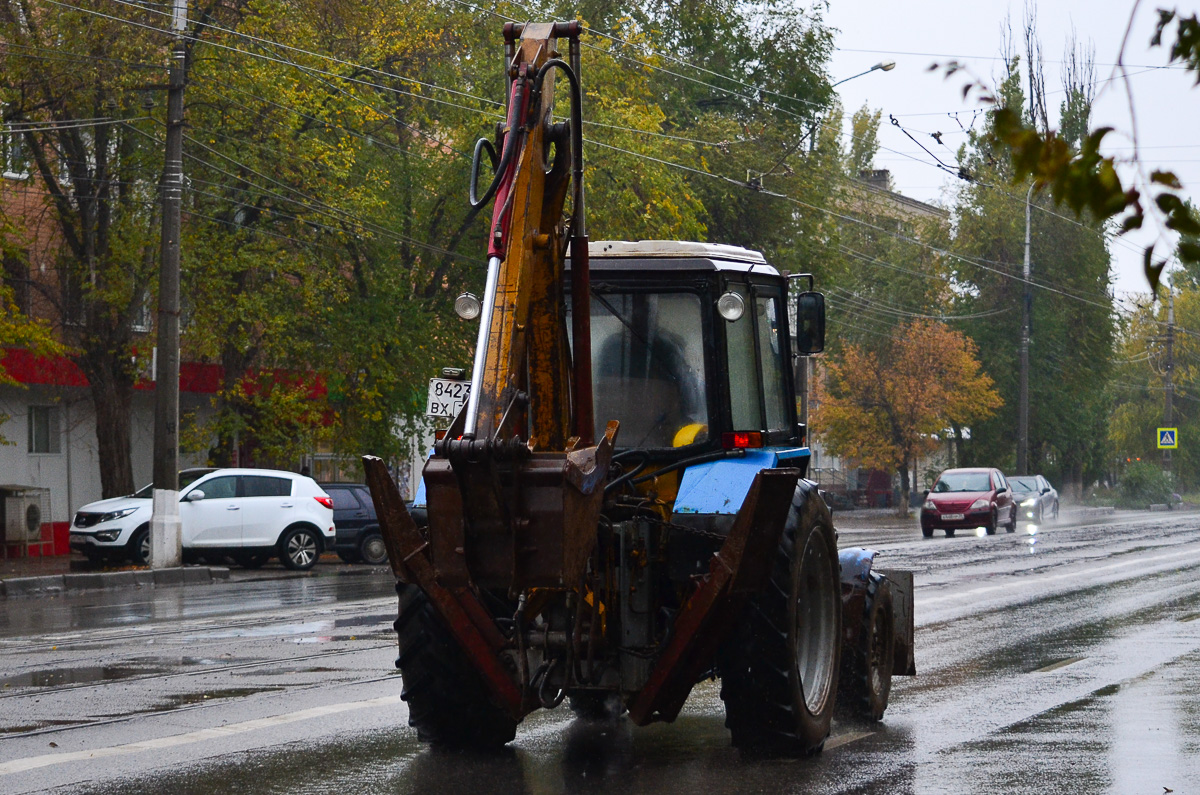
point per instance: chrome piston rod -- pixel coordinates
(470, 427)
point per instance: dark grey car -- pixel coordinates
(358, 537)
(1036, 499)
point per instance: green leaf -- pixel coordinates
(1131, 222)
(1189, 252)
(1152, 270)
(1167, 178)
(1164, 19)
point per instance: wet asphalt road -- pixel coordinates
(1058, 659)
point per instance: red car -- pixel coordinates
(969, 498)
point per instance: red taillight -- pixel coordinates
(326, 501)
(740, 439)
(439, 435)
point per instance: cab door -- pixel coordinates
(214, 520)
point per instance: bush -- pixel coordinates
(1144, 484)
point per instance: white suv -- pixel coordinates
(249, 514)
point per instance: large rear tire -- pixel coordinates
(867, 669)
(448, 702)
(779, 668)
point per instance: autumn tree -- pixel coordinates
(885, 407)
(72, 82)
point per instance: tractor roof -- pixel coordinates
(675, 255)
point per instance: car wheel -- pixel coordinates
(927, 531)
(1011, 527)
(299, 548)
(990, 529)
(138, 548)
(372, 550)
(949, 532)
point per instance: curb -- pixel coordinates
(1088, 513)
(103, 581)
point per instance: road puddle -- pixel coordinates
(189, 699)
(42, 724)
(57, 677)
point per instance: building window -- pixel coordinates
(45, 429)
(14, 159)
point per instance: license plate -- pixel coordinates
(953, 517)
(447, 397)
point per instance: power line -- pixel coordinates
(697, 171)
(322, 56)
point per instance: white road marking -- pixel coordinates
(47, 760)
(1060, 664)
(845, 739)
(1092, 572)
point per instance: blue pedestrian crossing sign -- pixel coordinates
(1168, 438)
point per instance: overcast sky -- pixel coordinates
(918, 34)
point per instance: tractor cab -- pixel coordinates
(691, 349)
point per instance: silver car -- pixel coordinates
(1037, 499)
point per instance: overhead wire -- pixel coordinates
(648, 65)
(305, 201)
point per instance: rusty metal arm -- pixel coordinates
(464, 615)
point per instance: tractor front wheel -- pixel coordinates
(448, 702)
(779, 668)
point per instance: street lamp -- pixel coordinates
(882, 66)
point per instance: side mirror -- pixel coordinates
(193, 495)
(926, 494)
(1002, 489)
(808, 317)
(809, 328)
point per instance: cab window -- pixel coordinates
(648, 367)
(771, 357)
(757, 390)
(745, 398)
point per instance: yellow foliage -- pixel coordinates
(884, 407)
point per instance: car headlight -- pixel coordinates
(981, 504)
(1029, 503)
(108, 517)
(108, 535)
(929, 505)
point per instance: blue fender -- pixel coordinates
(856, 564)
(720, 487)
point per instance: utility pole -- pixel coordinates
(1026, 311)
(165, 541)
(1168, 373)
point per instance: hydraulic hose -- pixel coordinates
(510, 146)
